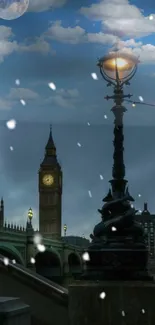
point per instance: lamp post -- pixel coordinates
(65, 229)
(30, 215)
(117, 250)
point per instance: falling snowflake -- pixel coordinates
(88, 124)
(52, 86)
(11, 124)
(6, 261)
(41, 248)
(79, 144)
(132, 206)
(123, 313)
(13, 261)
(105, 116)
(151, 17)
(86, 256)
(102, 295)
(141, 98)
(37, 239)
(23, 102)
(113, 228)
(101, 177)
(32, 260)
(133, 104)
(143, 311)
(140, 211)
(17, 82)
(94, 76)
(11, 148)
(90, 194)
(139, 195)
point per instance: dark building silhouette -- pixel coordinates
(148, 221)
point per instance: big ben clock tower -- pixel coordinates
(50, 191)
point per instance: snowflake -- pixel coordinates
(94, 76)
(11, 124)
(123, 313)
(17, 82)
(37, 239)
(139, 195)
(79, 144)
(23, 102)
(41, 248)
(105, 116)
(90, 194)
(141, 98)
(6, 261)
(102, 295)
(143, 311)
(151, 17)
(52, 86)
(32, 260)
(86, 256)
(13, 261)
(113, 228)
(88, 123)
(11, 148)
(101, 177)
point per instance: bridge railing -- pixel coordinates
(36, 281)
(13, 228)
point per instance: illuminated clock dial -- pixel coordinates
(48, 180)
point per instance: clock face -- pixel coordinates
(48, 180)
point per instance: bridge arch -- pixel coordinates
(49, 265)
(75, 264)
(9, 251)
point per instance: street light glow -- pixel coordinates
(121, 63)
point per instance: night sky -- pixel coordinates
(59, 41)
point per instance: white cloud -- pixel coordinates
(120, 17)
(102, 38)
(43, 5)
(26, 94)
(39, 45)
(72, 35)
(5, 104)
(64, 98)
(146, 53)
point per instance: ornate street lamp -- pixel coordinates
(30, 215)
(65, 229)
(117, 250)
(117, 69)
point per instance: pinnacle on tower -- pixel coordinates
(50, 146)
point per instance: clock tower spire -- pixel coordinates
(50, 191)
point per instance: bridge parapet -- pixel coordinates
(13, 227)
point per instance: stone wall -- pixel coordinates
(14, 312)
(112, 303)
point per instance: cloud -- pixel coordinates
(39, 45)
(120, 18)
(146, 53)
(64, 98)
(5, 104)
(44, 5)
(18, 93)
(72, 35)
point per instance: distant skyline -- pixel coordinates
(60, 44)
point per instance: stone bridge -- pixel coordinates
(60, 262)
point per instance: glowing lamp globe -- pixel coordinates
(124, 63)
(30, 214)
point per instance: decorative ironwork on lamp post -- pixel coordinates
(117, 69)
(118, 249)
